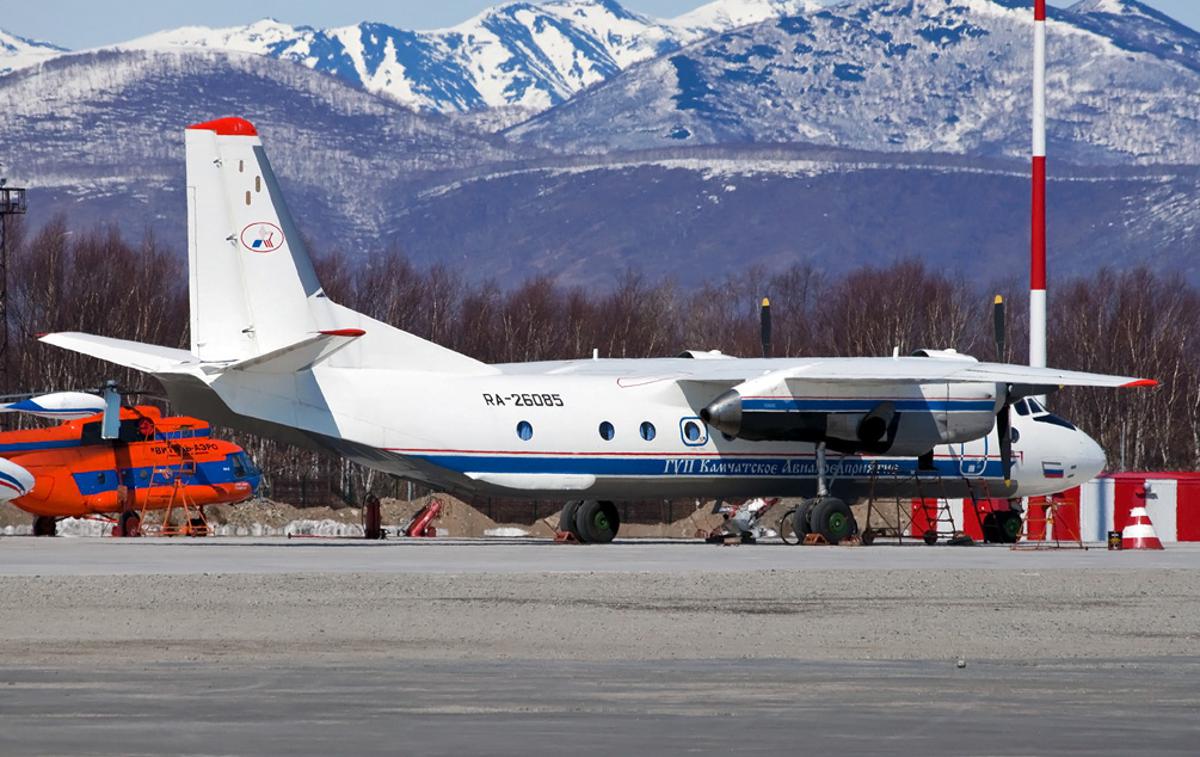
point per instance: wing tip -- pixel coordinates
(353, 333)
(1140, 382)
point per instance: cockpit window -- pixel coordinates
(1036, 407)
(1051, 418)
(1022, 407)
(242, 467)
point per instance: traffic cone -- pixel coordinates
(1139, 533)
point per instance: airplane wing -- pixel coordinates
(917, 370)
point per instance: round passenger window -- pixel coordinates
(691, 430)
(607, 432)
(647, 431)
(524, 430)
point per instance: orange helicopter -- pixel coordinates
(117, 461)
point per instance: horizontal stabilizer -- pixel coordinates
(147, 358)
(299, 356)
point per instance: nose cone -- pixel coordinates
(15, 481)
(1091, 458)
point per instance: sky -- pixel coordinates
(91, 23)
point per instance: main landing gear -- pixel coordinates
(825, 515)
(44, 525)
(590, 521)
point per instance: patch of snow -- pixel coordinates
(506, 531)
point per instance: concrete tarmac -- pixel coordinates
(517, 647)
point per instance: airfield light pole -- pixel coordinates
(12, 203)
(1037, 271)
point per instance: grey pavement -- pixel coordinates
(28, 556)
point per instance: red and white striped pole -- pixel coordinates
(1037, 272)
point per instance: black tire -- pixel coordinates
(832, 519)
(566, 518)
(930, 537)
(1010, 527)
(597, 522)
(868, 537)
(44, 525)
(130, 523)
(1002, 527)
(802, 520)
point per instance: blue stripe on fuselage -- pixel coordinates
(693, 466)
(214, 472)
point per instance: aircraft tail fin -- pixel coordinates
(252, 287)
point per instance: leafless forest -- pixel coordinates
(1128, 322)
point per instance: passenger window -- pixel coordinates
(607, 432)
(693, 432)
(525, 430)
(647, 431)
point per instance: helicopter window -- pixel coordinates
(1022, 408)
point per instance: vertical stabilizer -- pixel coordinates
(251, 277)
(252, 286)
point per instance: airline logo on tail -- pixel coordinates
(261, 236)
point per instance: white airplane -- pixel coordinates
(272, 354)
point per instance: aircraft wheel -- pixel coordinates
(802, 520)
(566, 518)
(832, 519)
(44, 525)
(1010, 527)
(130, 523)
(930, 537)
(597, 522)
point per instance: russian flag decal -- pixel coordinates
(1052, 470)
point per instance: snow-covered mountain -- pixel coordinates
(19, 52)
(523, 55)
(908, 76)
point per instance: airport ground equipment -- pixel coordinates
(1139, 533)
(421, 524)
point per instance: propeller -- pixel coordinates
(764, 318)
(999, 329)
(1003, 415)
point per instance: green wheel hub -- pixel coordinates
(839, 524)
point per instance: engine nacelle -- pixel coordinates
(906, 420)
